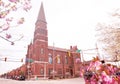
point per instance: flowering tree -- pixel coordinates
(6, 21)
(108, 35)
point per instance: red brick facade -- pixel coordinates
(48, 61)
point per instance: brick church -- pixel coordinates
(43, 60)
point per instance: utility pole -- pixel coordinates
(53, 62)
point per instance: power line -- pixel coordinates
(11, 59)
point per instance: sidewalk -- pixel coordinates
(61, 81)
(48, 81)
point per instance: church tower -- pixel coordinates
(48, 61)
(40, 37)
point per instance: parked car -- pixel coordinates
(21, 77)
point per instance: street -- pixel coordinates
(59, 81)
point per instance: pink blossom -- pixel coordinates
(20, 21)
(114, 81)
(106, 78)
(14, 8)
(4, 13)
(8, 36)
(27, 6)
(97, 63)
(14, 1)
(91, 65)
(5, 26)
(2, 3)
(9, 19)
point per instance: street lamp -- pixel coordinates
(53, 58)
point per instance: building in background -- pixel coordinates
(47, 61)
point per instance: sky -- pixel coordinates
(69, 22)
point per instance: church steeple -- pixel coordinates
(40, 36)
(41, 26)
(41, 14)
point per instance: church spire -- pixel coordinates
(40, 33)
(41, 14)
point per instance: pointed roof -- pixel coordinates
(41, 14)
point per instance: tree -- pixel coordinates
(108, 37)
(7, 21)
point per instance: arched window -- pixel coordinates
(58, 59)
(66, 59)
(41, 50)
(50, 60)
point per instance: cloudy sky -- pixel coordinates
(69, 22)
